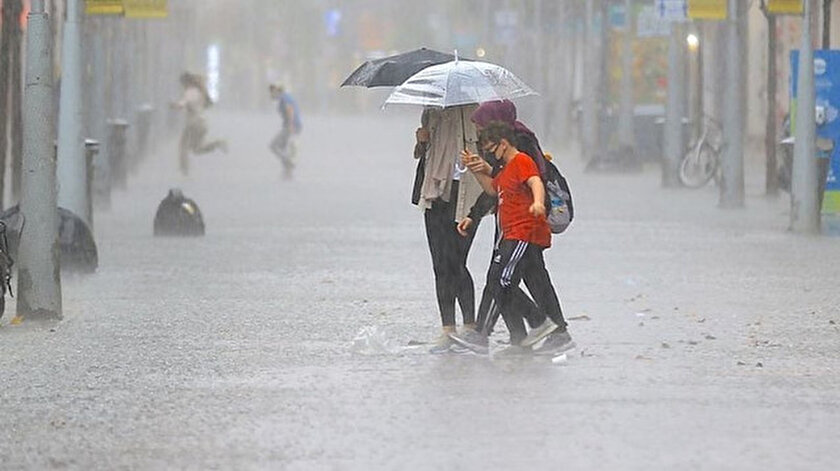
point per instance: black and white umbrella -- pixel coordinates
(393, 70)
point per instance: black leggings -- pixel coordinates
(449, 260)
(512, 262)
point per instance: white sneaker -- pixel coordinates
(538, 333)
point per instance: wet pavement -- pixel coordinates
(707, 338)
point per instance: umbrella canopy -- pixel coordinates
(459, 83)
(393, 70)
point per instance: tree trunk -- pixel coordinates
(771, 180)
(826, 30)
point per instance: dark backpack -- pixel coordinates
(558, 198)
(178, 215)
(559, 207)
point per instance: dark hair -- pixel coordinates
(195, 80)
(495, 131)
(189, 79)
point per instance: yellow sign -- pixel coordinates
(130, 8)
(831, 202)
(145, 8)
(784, 7)
(707, 9)
(103, 7)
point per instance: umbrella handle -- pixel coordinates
(463, 130)
(462, 169)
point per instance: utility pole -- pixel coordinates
(771, 177)
(732, 181)
(539, 62)
(565, 54)
(590, 112)
(826, 24)
(626, 136)
(39, 285)
(804, 214)
(71, 168)
(694, 95)
(823, 164)
(675, 108)
(5, 62)
(16, 115)
(97, 114)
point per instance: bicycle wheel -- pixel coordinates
(698, 166)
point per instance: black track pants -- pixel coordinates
(512, 262)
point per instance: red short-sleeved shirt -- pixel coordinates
(515, 198)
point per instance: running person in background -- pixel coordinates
(195, 101)
(282, 145)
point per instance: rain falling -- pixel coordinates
(378, 234)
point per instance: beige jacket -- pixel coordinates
(449, 129)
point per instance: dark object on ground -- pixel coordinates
(394, 70)
(76, 244)
(6, 263)
(178, 215)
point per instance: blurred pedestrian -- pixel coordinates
(445, 191)
(283, 144)
(524, 235)
(195, 101)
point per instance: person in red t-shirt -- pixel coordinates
(524, 233)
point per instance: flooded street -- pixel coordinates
(706, 338)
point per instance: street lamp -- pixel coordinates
(693, 42)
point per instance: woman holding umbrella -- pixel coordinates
(446, 191)
(442, 188)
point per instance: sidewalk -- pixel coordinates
(708, 338)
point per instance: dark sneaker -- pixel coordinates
(471, 339)
(539, 333)
(556, 343)
(513, 351)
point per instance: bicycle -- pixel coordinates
(702, 159)
(6, 264)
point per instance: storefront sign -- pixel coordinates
(784, 7)
(103, 7)
(827, 90)
(145, 8)
(671, 10)
(129, 8)
(707, 9)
